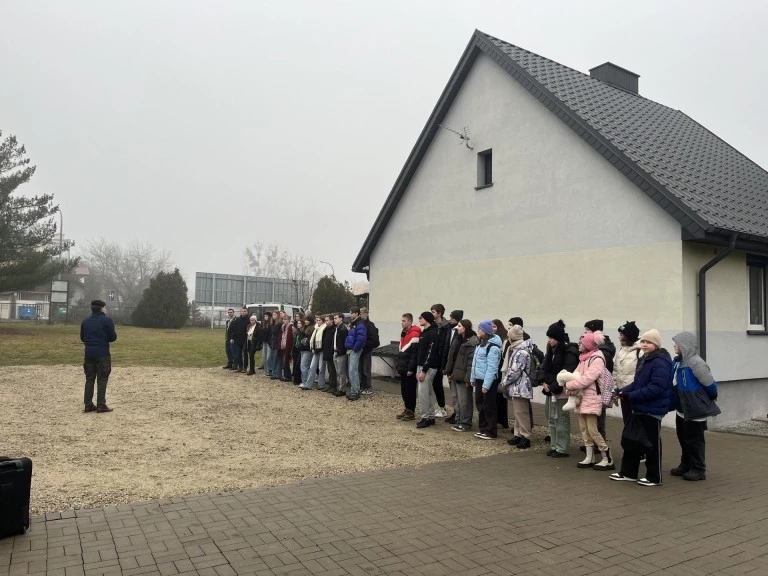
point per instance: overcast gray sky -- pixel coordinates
(201, 127)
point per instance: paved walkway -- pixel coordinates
(518, 513)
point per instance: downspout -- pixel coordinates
(703, 293)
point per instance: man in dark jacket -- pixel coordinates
(355, 343)
(327, 343)
(96, 332)
(238, 334)
(428, 363)
(227, 347)
(443, 334)
(340, 333)
(274, 339)
(448, 334)
(371, 343)
(407, 357)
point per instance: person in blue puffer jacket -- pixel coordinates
(694, 399)
(354, 343)
(486, 378)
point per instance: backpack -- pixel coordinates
(497, 378)
(606, 387)
(536, 374)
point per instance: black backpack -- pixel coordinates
(537, 360)
(497, 378)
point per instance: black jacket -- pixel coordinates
(96, 332)
(461, 365)
(609, 351)
(562, 357)
(339, 347)
(328, 342)
(444, 333)
(274, 335)
(407, 356)
(238, 329)
(429, 355)
(371, 337)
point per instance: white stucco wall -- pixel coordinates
(561, 233)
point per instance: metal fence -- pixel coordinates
(59, 313)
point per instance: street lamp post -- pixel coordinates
(333, 272)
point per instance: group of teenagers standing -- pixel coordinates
(307, 349)
(488, 367)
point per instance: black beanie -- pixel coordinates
(630, 330)
(457, 315)
(428, 316)
(516, 321)
(594, 325)
(98, 303)
(556, 331)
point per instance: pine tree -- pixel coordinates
(331, 296)
(164, 303)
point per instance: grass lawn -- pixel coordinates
(29, 344)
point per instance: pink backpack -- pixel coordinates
(606, 387)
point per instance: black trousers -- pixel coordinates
(296, 356)
(251, 364)
(486, 408)
(626, 409)
(332, 378)
(437, 386)
(502, 412)
(690, 435)
(630, 463)
(97, 371)
(601, 425)
(408, 386)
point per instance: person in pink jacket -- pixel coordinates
(585, 379)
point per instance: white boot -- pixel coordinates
(589, 459)
(573, 402)
(606, 463)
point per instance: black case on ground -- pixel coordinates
(15, 484)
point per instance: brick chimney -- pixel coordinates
(616, 76)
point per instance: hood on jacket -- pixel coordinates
(688, 344)
(495, 340)
(473, 340)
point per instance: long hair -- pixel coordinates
(501, 332)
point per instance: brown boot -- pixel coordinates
(400, 416)
(408, 415)
(101, 408)
(90, 408)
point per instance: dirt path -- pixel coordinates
(182, 431)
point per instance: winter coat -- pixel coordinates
(516, 382)
(340, 334)
(444, 331)
(589, 369)
(357, 336)
(486, 361)
(695, 390)
(328, 335)
(461, 371)
(371, 336)
(288, 331)
(564, 356)
(408, 351)
(302, 338)
(275, 332)
(316, 339)
(428, 355)
(449, 358)
(238, 330)
(651, 392)
(96, 332)
(625, 365)
(608, 349)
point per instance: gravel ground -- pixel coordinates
(184, 431)
(749, 427)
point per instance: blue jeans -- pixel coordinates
(266, 356)
(228, 350)
(237, 356)
(354, 373)
(306, 360)
(274, 370)
(317, 363)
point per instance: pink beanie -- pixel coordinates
(592, 340)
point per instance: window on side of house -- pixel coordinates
(485, 168)
(756, 277)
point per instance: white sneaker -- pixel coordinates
(366, 391)
(302, 387)
(619, 478)
(646, 482)
(440, 413)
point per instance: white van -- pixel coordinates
(269, 307)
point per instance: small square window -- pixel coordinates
(485, 168)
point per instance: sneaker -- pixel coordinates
(228, 367)
(694, 475)
(478, 434)
(514, 440)
(366, 391)
(102, 408)
(458, 428)
(523, 444)
(302, 387)
(90, 408)
(485, 437)
(646, 482)
(441, 413)
(550, 452)
(619, 478)
(560, 454)
(451, 419)
(425, 423)
(679, 471)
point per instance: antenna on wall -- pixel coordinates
(463, 135)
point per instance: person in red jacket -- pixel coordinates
(406, 366)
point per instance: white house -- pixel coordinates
(577, 198)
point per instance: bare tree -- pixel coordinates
(271, 261)
(126, 270)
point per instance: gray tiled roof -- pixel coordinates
(712, 179)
